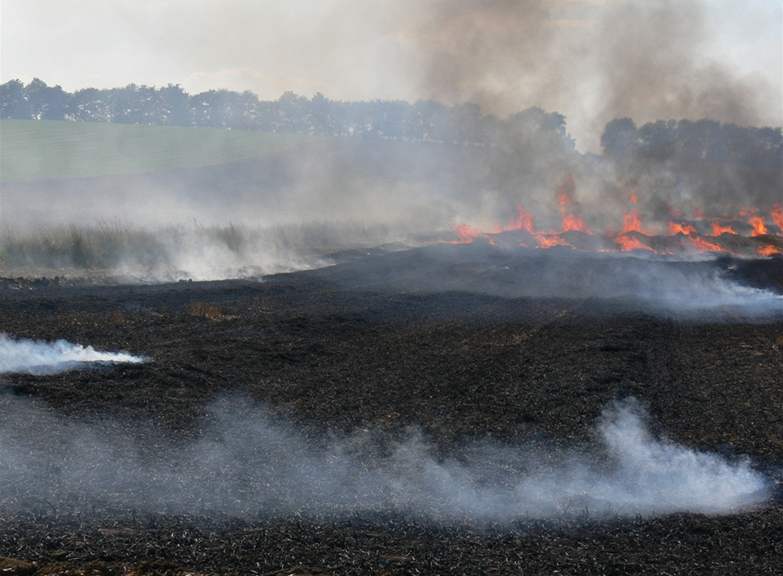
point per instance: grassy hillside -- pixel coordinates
(35, 149)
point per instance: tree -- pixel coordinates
(172, 106)
(13, 101)
(619, 138)
(46, 102)
(90, 105)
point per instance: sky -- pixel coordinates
(557, 54)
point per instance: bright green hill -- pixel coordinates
(34, 149)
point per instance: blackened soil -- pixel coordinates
(455, 364)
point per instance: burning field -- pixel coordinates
(748, 233)
(579, 377)
(391, 287)
(500, 368)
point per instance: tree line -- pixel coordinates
(683, 141)
(172, 106)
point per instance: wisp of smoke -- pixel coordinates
(34, 357)
(658, 285)
(173, 253)
(246, 462)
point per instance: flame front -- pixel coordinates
(630, 243)
(718, 234)
(705, 245)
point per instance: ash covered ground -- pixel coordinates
(459, 348)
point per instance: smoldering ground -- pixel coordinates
(706, 288)
(245, 462)
(38, 357)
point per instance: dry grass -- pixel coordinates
(178, 252)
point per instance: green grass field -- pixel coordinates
(35, 149)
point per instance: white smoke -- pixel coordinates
(34, 357)
(246, 462)
(702, 292)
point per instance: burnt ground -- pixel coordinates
(331, 352)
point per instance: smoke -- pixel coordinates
(595, 62)
(246, 462)
(659, 285)
(288, 210)
(592, 60)
(35, 357)
(660, 44)
(171, 253)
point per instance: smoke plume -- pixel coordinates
(246, 462)
(35, 357)
(594, 61)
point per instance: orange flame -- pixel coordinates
(466, 233)
(633, 235)
(523, 220)
(565, 200)
(628, 243)
(573, 223)
(759, 226)
(679, 228)
(718, 229)
(705, 245)
(632, 222)
(769, 250)
(550, 240)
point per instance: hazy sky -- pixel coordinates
(359, 49)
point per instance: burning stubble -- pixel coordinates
(247, 463)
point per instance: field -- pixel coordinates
(31, 150)
(341, 351)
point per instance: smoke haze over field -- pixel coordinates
(369, 173)
(74, 466)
